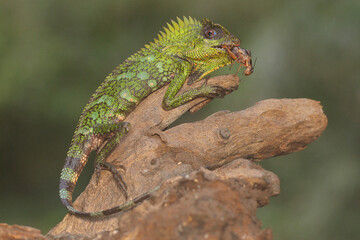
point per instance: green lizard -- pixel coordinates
(187, 50)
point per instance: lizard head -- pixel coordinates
(210, 48)
(206, 45)
(211, 42)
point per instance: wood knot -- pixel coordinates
(224, 133)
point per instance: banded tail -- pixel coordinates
(69, 176)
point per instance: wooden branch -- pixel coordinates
(152, 156)
(205, 204)
(19, 232)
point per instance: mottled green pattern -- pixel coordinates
(182, 51)
(68, 174)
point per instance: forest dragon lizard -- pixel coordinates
(187, 50)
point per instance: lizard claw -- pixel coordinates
(112, 168)
(118, 178)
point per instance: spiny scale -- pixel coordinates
(175, 27)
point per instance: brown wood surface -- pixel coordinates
(194, 201)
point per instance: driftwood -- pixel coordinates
(218, 202)
(16, 232)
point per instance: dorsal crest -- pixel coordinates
(175, 27)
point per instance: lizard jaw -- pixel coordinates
(227, 46)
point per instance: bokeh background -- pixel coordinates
(53, 55)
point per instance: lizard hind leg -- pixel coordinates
(113, 133)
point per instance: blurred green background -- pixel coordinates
(53, 55)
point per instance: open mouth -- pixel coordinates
(227, 46)
(240, 55)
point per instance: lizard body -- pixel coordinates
(187, 50)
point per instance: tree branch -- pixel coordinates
(152, 157)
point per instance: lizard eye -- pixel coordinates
(210, 33)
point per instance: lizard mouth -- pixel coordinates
(240, 55)
(227, 46)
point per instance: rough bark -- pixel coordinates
(219, 204)
(10, 232)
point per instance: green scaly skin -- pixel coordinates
(187, 50)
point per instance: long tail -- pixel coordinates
(74, 164)
(122, 208)
(69, 176)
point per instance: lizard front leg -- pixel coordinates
(172, 100)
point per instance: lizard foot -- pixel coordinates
(118, 178)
